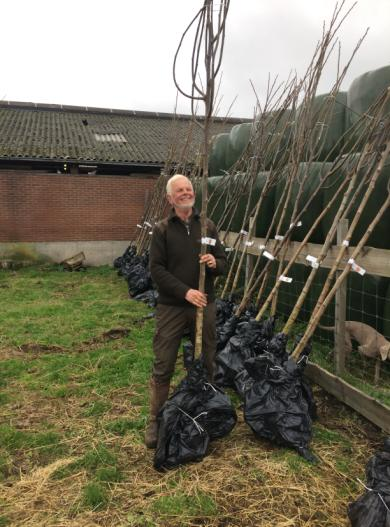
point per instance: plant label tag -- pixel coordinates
(345, 243)
(147, 224)
(229, 249)
(286, 279)
(299, 224)
(208, 241)
(268, 255)
(279, 237)
(313, 261)
(356, 267)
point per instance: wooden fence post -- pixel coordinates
(340, 309)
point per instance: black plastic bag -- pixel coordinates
(224, 310)
(242, 383)
(139, 280)
(229, 362)
(372, 509)
(201, 398)
(226, 331)
(195, 413)
(149, 297)
(188, 355)
(126, 260)
(277, 347)
(181, 439)
(251, 339)
(275, 407)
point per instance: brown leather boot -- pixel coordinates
(158, 396)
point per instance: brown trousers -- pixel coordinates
(171, 323)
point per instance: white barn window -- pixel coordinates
(110, 138)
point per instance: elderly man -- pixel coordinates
(174, 265)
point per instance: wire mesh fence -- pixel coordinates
(367, 302)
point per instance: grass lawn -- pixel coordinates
(75, 358)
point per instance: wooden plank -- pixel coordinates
(340, 309)
(374, 261)
(370, 408)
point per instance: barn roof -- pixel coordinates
(31, 131)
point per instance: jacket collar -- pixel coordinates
(174, 217)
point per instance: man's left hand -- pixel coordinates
(209, 260)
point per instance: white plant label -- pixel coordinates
(313, 261)
(208, 241)
(268, 255)
(345, 243)
(279, 237)
(356, 267)
(286, 279)
(299, 224)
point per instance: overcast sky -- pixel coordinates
(119, 54)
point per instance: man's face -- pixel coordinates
(182, 194)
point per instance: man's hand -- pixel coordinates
(196, 298)
(209, 260)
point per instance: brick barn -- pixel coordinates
(75, 178)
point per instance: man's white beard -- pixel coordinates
(183, 207)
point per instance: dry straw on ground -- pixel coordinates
(251, 482)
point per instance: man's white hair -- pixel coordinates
(172, 180)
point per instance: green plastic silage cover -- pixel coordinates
(314, 171)
(238, 141)
(266, 210)
(277, 130)
(327, 124)
(380, 237)
(362, 93)
(218, 155)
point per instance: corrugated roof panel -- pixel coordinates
(56, 133)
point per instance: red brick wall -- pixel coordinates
(41, 207)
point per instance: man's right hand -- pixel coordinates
(196, 298)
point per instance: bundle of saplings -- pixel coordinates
(135, 270)
(278, 404)
(196, 413)
(372, 509)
